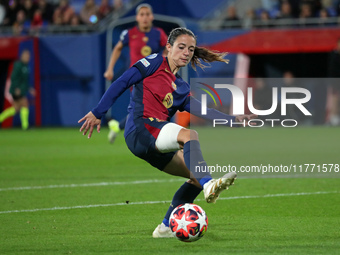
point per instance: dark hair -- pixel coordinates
(200, 53)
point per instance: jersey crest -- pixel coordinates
(146, 51)
(168, 100)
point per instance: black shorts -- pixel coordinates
(17, 98)
(141, 142)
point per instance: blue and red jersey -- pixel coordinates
(157, 94)
(143, 44)
(160, 93)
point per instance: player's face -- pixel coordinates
(144, 18)
(25, 56)
(182, 51)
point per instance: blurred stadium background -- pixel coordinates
(265, 38)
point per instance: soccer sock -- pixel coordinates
(24, 112)
(7, 113)
(185, 194)
(194, 161)
(122, 123)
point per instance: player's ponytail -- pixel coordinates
(200, 53)
(207, 56)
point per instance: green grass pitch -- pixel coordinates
(61, 193)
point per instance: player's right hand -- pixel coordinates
(108, 75)
(90, 122)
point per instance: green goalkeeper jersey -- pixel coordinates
(20, 78)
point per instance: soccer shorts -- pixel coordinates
(16, 97)
(142, 142)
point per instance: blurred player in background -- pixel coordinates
(142, 40)
(334, 72)
(19, 88)
(158, 92)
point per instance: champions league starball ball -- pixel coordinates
(188, 222)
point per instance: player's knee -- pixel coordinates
(186, 135)
(193, 135)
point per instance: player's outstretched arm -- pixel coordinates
(117, 50)
(90, 122)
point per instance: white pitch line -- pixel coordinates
(75, 185)
(162, 202)
(90, 184)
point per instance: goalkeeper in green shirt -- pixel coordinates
(19, 88)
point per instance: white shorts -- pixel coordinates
(167, 138)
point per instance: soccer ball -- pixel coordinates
(188, 222)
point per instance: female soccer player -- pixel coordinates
(142, 40)
(158, 92)
(19, 88)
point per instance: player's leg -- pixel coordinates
(24, 112)
(179, 166)
(187, 193)
(114, 128)
(174, 136)
(159, 153)
(11, 111)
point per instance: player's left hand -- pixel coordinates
(90, 122)
(246, 117)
